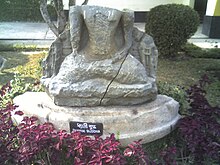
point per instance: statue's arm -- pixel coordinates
(75, 20)
(127, 22)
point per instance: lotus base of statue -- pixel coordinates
(149, 121)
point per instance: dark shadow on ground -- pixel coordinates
(5, 77)
(14, 59)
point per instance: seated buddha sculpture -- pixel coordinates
(101, 71)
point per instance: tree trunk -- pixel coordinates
(72, 2)
(85, 2)
(56, 53)
(61, 18)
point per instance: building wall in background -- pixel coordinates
(141, 7)
(136, 5)
(211, 21)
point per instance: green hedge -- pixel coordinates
(197, 52)
(23, 10)
(171, 25)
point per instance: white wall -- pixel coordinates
(211, 7)
(136, 5)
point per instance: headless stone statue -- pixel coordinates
(106, 70)
(101, 70)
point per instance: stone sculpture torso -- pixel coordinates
(100, 70)
(101, 28)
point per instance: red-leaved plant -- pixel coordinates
(201, 129)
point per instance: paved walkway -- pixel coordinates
(39, 34)
(24, 31)
(27, 33)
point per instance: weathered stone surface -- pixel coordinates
(144, 49)
(89, 83)
(148, 121)
(2, 63)
(100, 70)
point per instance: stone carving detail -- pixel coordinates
(111, 62)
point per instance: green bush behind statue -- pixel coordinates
(171, 25)
(23, 10)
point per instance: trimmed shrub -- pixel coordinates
(192, 50)
(171, 25)
(197, 52)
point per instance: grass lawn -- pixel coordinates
(25, 63)
(186, 72)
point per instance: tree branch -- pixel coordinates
(85, 2)
(46, 17)
(61, 19)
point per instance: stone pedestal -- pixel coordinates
(149, 121)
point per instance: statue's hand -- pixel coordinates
(119, 55)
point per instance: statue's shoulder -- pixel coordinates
(99, 9)
(94, 12)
